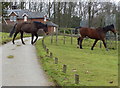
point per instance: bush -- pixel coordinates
(67, 30)
(6, 28)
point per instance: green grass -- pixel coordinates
(95, 68)
(5, 37)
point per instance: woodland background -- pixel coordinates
(70, 14)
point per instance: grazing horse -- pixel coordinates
(97, 34)
(28, 27)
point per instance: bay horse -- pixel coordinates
(28, 27)
(97, 34)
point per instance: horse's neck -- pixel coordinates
(105, 30)
(38, 26)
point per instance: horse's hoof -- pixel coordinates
(91, 49)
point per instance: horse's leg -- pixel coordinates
(105, 45)
(32, 38)
(14, 37)
(81, 39)
(78, 42)
(22, 38)
(94, 44)
(36, 37)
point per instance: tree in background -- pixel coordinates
(5, 6)
(70, 14)
(0, 8)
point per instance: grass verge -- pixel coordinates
(95, 68)
(5, 37)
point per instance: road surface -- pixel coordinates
(20, 66)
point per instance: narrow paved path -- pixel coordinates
(23, 69)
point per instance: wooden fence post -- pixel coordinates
(71, 37)
(56, 60)
(51, 38)
(44, 46)
(43, 42)
(116, 41)
(47, 51)
(76, 79)
(64, 38)
(56, 36)
(110, 41)
(51, 55)
(100, 44)
(64, 68)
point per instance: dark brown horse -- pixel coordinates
(97, 34)
(28, 27)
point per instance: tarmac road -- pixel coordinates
(23, 68)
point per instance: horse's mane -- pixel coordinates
(78, 27)
(37, 22)
(108, 27)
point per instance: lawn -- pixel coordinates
(4, 37)
(95, 68)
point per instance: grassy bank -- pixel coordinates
(95, 68)
(5, 37)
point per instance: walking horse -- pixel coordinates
(97, 34)
(28, 27)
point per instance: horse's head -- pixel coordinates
(40, 25)
(112, 29)
(46, 29)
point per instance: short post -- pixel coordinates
(45, 47)
(42, 42)
(116, 41)
(100, 44)
(71, 37)
(51, 38)
(43, 38)
(64, 38)
(76, 79)
(51, 55)
(64, 68)
(56, 60)
(56, 36)
(47, 50)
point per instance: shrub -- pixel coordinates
(6, 28)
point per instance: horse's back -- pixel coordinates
(28, 27)
(25, 27)
(89, 32)
(86, 31)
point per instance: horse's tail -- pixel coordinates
(13, 30)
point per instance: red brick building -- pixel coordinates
(19, 15)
